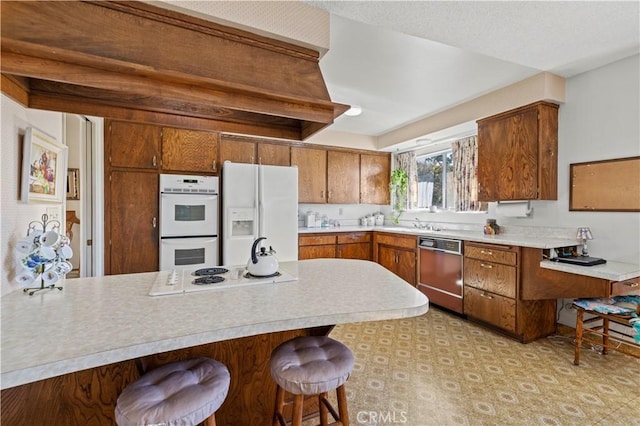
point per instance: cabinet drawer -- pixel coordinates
(356, 237)
(315, 240)
(397, 241)
(494, 255)
(489, 276)
(491, 308)
(317, 252)
(630, 286)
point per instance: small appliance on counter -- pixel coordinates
(581, 260)
(262, 263)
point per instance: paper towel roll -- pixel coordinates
(513, 208)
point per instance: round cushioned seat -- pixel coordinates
(311, 365)
(179, 393)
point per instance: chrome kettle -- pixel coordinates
(262, 263)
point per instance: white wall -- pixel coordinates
(14, 215)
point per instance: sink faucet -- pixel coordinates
(426, 226)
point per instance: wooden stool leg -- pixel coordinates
(278, 419)
(579, 319)
(342, 405)
(211, 420)
(605, 334)
(323, 409)
(298, 408)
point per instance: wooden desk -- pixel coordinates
(554, 280)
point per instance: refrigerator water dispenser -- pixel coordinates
(241, 221)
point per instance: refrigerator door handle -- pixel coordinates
(259, 198)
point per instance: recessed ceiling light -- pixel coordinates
(354, 111)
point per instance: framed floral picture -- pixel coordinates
(44, 168)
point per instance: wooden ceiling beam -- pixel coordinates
(165, 62)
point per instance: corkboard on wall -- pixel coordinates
(608, 185)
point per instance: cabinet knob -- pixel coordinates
(154, 161)
(632, 285)
(154, 222)
(486, 296)
(487, 252)
(484, 265)
(215, 164)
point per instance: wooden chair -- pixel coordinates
(596, 330)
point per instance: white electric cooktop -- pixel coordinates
(191, 280)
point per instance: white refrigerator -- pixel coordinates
(259, 201)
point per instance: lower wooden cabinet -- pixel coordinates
(343, 245)
(397, 253)
(492, 293)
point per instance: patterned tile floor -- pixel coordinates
(439, 369)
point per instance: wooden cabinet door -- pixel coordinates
(406, 268)
(133, 215)
(343, 177)
(272, 154)
(375, 172)
(312, 174)
(517, 154)
(400, 262)
(237, 151)
(387, 258)
(508, 159)
(189, 150)
(132, 145)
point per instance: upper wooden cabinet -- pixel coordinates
(237, 150)
(132, 145)
(343, 177)
(312, 173)
(375, 172)
(273, 154)
(517, 154)
(189, 150)
(243, 149)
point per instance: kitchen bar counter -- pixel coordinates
(103, 320)
(514, 239)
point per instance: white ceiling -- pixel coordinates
(406, 60)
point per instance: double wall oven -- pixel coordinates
(441, 272)
(188, 221)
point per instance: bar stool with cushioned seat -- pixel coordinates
(179, 393)
(623, 310)
(309, 366)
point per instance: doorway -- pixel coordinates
(84, 211)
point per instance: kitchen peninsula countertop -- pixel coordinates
(102, 320)
(515, 239)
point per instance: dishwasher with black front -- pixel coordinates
(441, 272)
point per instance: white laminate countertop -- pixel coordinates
(613, 271)
(542, 242)
(102, 320)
